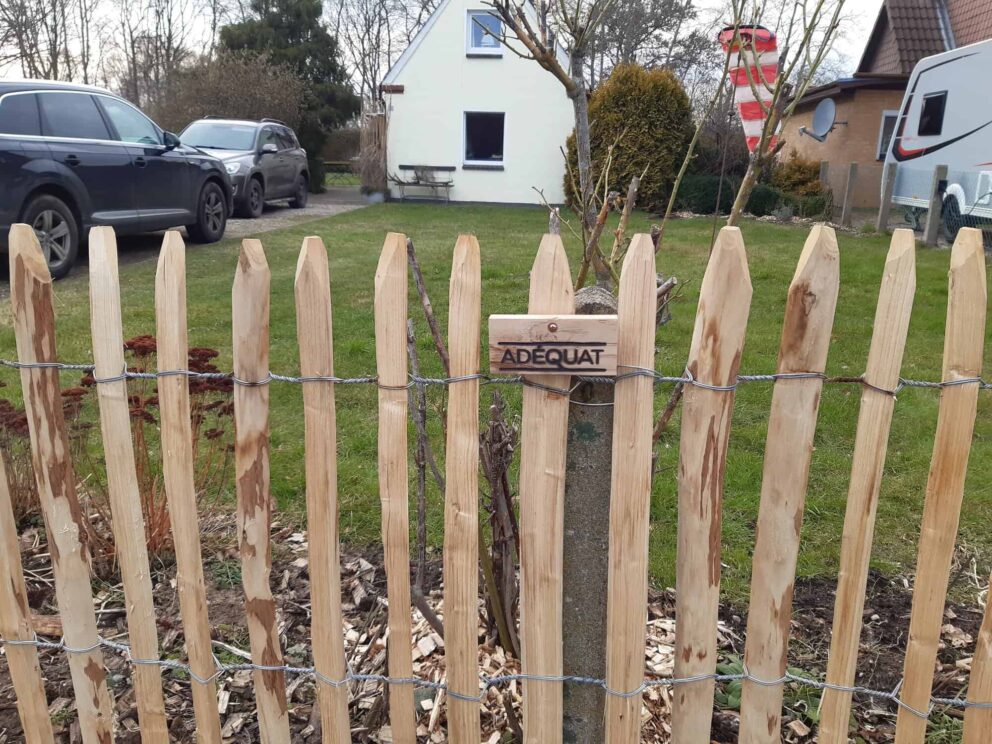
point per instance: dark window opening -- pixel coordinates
(484, 137)
(19, 115)
(72, 115)
(932, 117)
(885, 136)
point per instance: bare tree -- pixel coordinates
(367, 36)
(558, 36)
(154, 39)
(372, 34)
(412, 15)
(652, 33)
(38, 33)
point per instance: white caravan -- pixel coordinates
(946, 119)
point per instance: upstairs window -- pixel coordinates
(484, 139)
(484, 33)
(932, 116)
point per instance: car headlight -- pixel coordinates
(232, 168)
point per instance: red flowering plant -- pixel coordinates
(15, 448)
(211, 420)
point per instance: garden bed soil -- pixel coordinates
(886, 619)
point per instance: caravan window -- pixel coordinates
(932, 116)
(484, 138)
(888, 126)
(484, 33)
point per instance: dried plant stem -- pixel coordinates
(418, 278)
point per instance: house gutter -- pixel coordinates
(944, 22)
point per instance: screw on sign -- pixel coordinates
(753, 72)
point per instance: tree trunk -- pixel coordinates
(583, 148)
(744, 192)
(591, 231)
(585, 559)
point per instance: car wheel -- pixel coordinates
(211, 215)
(254, 201)
(951, 221)
(57, 231)
(302, 193)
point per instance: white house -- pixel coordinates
(474, 113)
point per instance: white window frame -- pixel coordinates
(881, 131)
(474, 51)
(494, 164)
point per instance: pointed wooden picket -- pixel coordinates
(978, 719)
(122, 481)
(964, 338)
(809, 319)
(15, 625)
(461, 513)
(315, 337)
(714, 360)
(177, 472)
(892, 313)
(630, 497)
(390, 355)
(715, 352)
(250, 328)
(34, 329)
(544, 427)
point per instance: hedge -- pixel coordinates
(651, 111)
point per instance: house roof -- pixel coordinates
(905, 32)
(970, 19)
(851, 84)
(418, 39)
(393, 73)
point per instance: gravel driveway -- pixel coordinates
(138, 248)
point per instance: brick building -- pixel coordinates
(868, 103)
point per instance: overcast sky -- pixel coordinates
(859, 17)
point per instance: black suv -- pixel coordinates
(263, 158)
(73, 156)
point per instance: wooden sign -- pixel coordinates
(553, 344)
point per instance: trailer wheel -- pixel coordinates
(950, 219)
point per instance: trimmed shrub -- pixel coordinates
(763, 200)
(815, 206)
(698, 193)
(651, 110)
(797, 175)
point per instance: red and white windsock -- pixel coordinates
(753, 70)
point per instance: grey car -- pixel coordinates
(263, 159)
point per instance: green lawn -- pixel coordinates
(509, 237)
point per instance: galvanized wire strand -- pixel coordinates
(687, 378)
(489, 682)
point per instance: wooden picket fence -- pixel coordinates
(712, 370)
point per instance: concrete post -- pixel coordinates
(930, 230)
(852, 180)
(888, 184)
(586, 556)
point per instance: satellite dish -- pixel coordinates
(824, 118)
